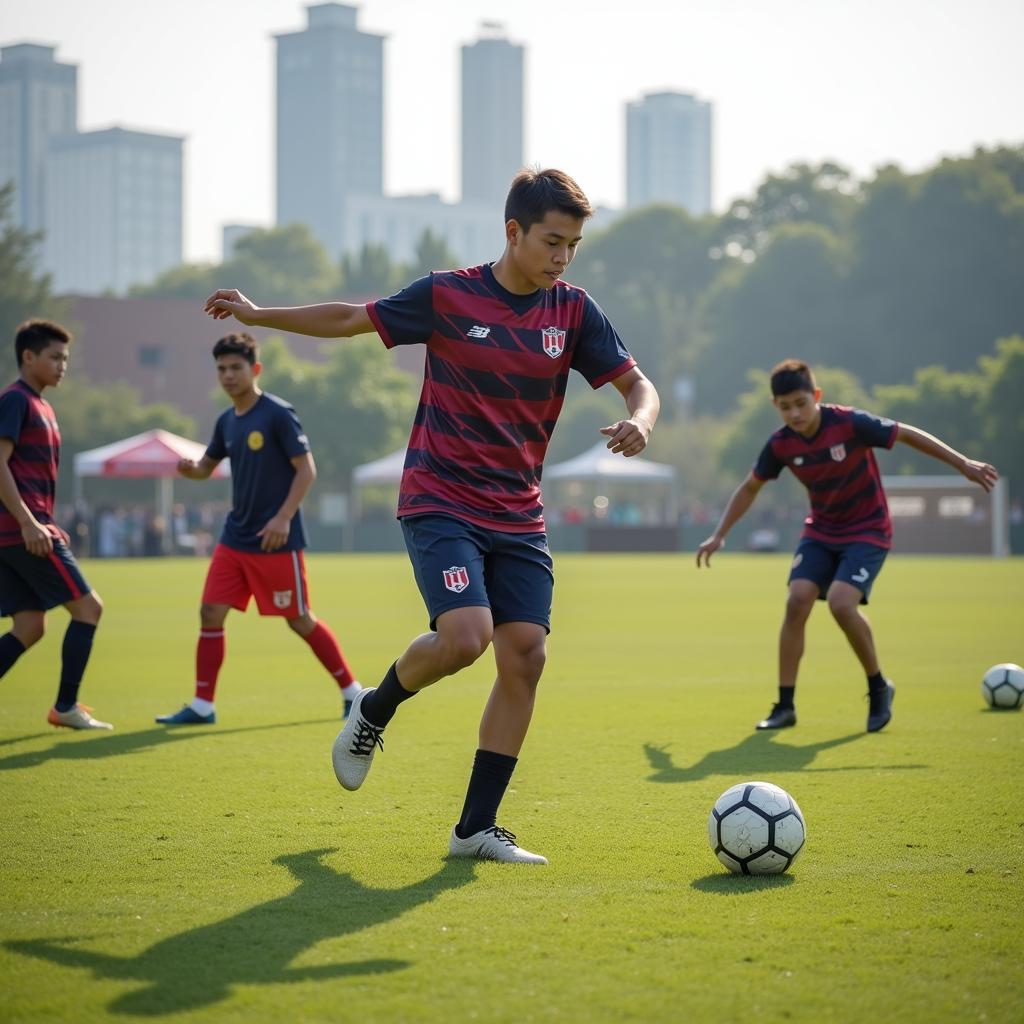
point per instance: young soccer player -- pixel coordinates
(37, 569)
(500, 341)
(260, 549)
(848, 532)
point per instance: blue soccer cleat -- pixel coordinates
(186, 716)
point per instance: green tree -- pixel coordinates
(24, 292)
(1003, 408)
(369, 275)
(431, 253)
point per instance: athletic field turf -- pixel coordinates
(221, 874)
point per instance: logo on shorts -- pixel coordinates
(838, 452)
(456, 579)
(797, 561)
(554, 341)
(255, 440)
(282, 598)
(861, 575)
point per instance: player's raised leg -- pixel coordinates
(75, 651)
(520, 653)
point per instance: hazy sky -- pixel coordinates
(865, 82)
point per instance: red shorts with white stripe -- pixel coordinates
(277, 579)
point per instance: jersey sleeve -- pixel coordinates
(599, 354)
(406, 318)
(876, 431)
(13, 406)
(216, 449)
(290, 434)
(768, 465)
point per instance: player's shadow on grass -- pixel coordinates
(755, 755)
(256, 947)
(113, 744)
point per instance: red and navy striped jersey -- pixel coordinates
(28, 420)
(496, 370)
(840, 473)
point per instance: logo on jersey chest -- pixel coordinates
(838, 452)
(478, 331)
(456, 578)
(553, 339)
(255, 441)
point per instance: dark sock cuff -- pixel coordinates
(489, 759)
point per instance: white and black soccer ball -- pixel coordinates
(756, 828)
(1002, 686)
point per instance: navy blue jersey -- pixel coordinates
(497, 365)
(840, 473)
(260, 444)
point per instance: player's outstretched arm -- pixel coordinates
(34, 534)
(742, 498)
(201, 470)
(323, 320)
(981, 473)
(630, 436)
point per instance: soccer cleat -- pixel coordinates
(78, 717)
(880, 708)
(779, 718)
(347, 710)
(187, 716)
(355, 746)
(493, 843)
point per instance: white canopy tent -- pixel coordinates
(383, 472)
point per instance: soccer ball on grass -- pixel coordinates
(756, 828)
(1003, 686)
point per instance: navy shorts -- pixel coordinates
(857, 564)
(29, 583)
(459, 565)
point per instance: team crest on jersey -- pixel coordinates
(255, 440)
(554, 341)
(838, 452)
(282, 598)
(456, 578)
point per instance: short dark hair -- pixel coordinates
(240, 344)
(535, 193)
(792, 375)
(35, 335)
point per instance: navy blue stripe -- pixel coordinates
(496, 385)
(848, 476)
(482, 431)
(412, 502)
(494, 479)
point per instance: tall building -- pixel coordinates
(38, 102)
(492, 116)
(668, 151)
(113, 209)
(330, 120)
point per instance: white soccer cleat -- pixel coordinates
(78, 717)
(493, 843)
(355, 746)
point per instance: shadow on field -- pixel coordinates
(200, 967)
(94, 744)
(756, 754)
(739, 885)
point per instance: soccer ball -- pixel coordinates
(1003, 686)
(756, 828)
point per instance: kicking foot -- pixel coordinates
(778, 718)
(78, 717)
(880, 708)
(492, 843)
(187, 716)
(355, 746)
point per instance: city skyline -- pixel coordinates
(802, 81)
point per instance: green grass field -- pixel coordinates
(222, 874)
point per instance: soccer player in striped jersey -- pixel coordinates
(500, 341)
(37, 569)
(848, 532)
(260, 550)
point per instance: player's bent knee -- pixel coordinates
(29, 630)
(88, 608)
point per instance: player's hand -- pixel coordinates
(708, 548)
(980, 473)
(275, 533)
(37, 539)
(187, 468)
(627, 436)
(227, 302)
